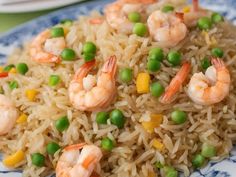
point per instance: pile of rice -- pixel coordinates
(133, 154)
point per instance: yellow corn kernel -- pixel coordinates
(1, 69)
(186, 9)
(155, 121)
(158, 118)
(157, 144)
(142, 83)
(14, 159)
(13, 71)
(31, 94)
(22, 119)
(213, 41)
(66, 30)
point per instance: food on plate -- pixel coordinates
(145, 90)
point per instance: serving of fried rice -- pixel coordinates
(134, 153)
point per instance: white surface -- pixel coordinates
(35, 5)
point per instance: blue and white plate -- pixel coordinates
(22, 33)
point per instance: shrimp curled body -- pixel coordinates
(76, 163)
(87, 95)
(166, 28)
(212, 87)
(116, 13)
(44, 49)
(8, 114)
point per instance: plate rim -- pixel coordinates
(33, 6)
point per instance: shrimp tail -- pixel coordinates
(110, 66)
(218, 63)
(176, 83)
(75, 147)
(195, 5)
(84, 70)
(180, 15)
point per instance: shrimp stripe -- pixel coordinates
(89, 160)
(75, 147)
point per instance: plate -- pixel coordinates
(35, 5)
(17, 36)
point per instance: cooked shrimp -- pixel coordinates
(212, 87)
(87, 95)
(8, 114)
(176, 83)
(46, 50)
(116, 13)
(74, 163)
(190, 18)
(166, 28)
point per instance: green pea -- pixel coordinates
(198, 161)
(140, 29)
(153, 65)
(156, 54)
(156, 89)
(13, 85)
(54, 80)
(159, 165)
(174, 58)
(8, 67)
(167, 8)
(205, 63)
(217, 52)
(62, 124)
(57, 32)
(204, 23)
(107, 144)
(52, 148)
(170, 172)
(216, 18)
(89, 47)
(102, 117)
(117, 118)
(208, 150)
(37, 159)
(68, 54)
(134, 17)
(67, 22)
(22, 68)
(178, 117)
(89, 57)
(126, 75)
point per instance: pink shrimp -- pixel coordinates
(46, 50)
(212, 87)
(74, 163)
(190, 18)
(87, 95)
(176, 83)
(117, 12)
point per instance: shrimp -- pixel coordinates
(166, 28)
(74, 163)
(117, 12)
(176, 83)
(46, 50)
(8, 114)
(87, 95)
(190, 18)
(212, 87)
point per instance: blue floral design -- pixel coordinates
(17, 36)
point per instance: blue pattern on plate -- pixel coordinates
(17, 36)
